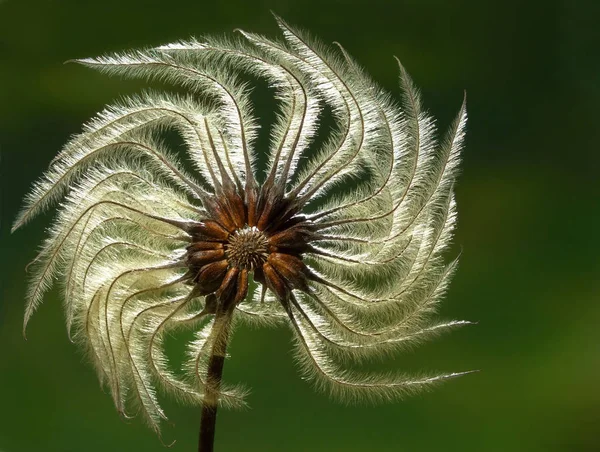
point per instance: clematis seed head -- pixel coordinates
(344, 234)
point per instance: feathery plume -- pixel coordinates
(344, 234)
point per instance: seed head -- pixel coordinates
(344, 235)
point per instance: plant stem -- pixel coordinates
(219, 336)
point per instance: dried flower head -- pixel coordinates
(343, 234)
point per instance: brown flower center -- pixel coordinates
(256, 230)
(247, 248)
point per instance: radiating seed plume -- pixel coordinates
(344, 234)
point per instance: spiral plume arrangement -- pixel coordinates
(343, 235)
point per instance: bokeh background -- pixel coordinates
(529, 204)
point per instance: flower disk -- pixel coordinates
(341, 238)
(247, 248)
(263, 234)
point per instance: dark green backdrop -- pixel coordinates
(529, 204)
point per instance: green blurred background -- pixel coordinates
(529, 204)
